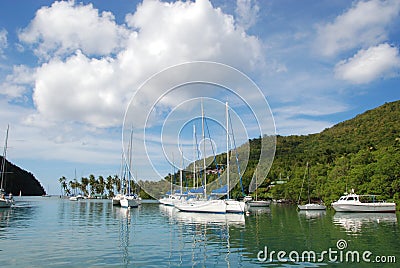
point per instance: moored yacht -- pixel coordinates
(362, 203)
(116, 200)
(4, 201)
(170, 199)
(258, 203)
(204, 206)
(128, 201)
(309, 205)
(312, 206)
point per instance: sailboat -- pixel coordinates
(203, 205)
(117, 198)
(257, 203)
(4, 201)
(309, 205)
(129, 200)
(44, 195)
(232, 206)
(171, 198)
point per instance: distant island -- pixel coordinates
(21, 181)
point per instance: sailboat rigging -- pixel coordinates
(129, 200)
(232, 206)
(309, 205)
(258, 203)
(204, 204)
(4, 201)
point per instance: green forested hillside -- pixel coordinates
(17, 180)
(362, 153)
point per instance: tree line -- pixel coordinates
(90, 186)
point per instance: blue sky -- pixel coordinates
(69, 69)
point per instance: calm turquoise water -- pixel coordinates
(54, 232)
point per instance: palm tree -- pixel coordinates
(110, 186)
(84, 184)
(63, 185)
(117, 183)
(72, 184)
(100, 185)
(92, 183)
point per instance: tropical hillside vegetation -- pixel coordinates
(362, 154)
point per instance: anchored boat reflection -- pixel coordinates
(354, 222)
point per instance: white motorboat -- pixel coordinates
(362, 203)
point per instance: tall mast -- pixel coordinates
(194, 156)
(256, 184)
(227, 150)
(3, 171)
(204, 150)
(308, 175)
(130, 162)
(173, 171)
(180, 172)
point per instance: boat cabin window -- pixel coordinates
(350, 198)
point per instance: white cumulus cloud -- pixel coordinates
(363, 25)
(85, 88)
(65, 26)
(16, 84)
(370, 64)
(79, 89)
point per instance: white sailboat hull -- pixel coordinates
(116, 200)
(171, 200)
(166, 202)
(259, 203)
(312, 207)
(203, 206)
(129, 201)
(234, 206)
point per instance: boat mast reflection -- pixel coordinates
(198, 232)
